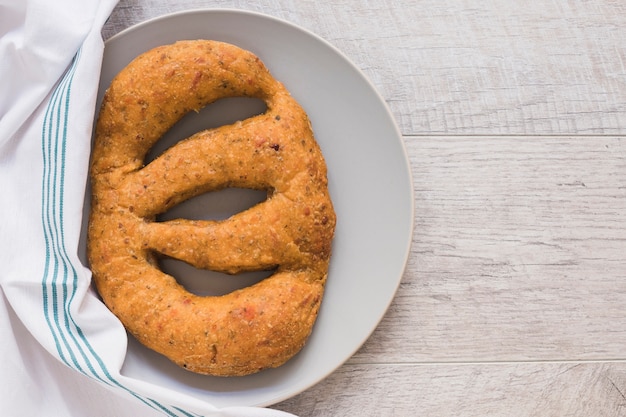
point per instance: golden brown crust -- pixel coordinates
(250, 329)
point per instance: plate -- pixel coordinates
(369, 181)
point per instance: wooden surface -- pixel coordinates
(513, 113)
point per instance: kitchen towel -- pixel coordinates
(62, 350)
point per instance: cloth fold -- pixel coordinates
(62, 349)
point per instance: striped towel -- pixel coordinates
(62, 350)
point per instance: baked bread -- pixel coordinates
(250, 329)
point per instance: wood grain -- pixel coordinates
(466, 67)
(468, 390)
(518, 252)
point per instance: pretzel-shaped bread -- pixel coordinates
(250, 329)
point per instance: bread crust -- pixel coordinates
(250, 329)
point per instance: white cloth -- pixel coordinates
(61, 349)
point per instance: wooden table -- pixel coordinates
(514, 117)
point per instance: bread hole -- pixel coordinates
(209, 283)
(215, 205)
(222, 112)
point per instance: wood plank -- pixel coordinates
(518, 252)
(468, 390)
(461, 67)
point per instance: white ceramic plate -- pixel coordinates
(369, 179)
